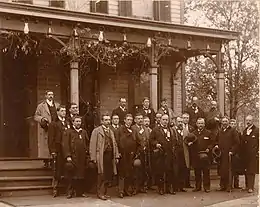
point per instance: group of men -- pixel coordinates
(143, 148)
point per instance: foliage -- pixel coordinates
(241, 56)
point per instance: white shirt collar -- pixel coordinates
(115, 126)
(78, 130)
(50, 103)
(62, 119)
(123, 109)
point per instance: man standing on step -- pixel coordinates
(55, 135)
(104, 153)
(73, 111)
(201, 159)
(75, 148)
(121, 110)
(46, 112)
(250, 146)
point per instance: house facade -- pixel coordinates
(50, 25)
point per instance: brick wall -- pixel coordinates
(166, 84)
(112, 86)
(48, 78)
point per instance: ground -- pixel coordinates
(237, 198)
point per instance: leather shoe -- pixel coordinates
(196, 190)
(221, 189)
(229, 190)
(183, 190)
(102, 198)
(161, 192)
(121, 195)
(250, 190)
(127, 193)
(55, 193)
(207, 190)
(69, 196)
(107, 196)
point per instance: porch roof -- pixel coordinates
(114, 21)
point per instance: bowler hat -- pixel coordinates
(203, 157)
(190, 137)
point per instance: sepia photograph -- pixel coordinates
(129, 103)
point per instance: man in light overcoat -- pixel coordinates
(46, 112)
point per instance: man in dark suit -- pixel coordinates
(228, 142)
(163, 144)
(181, 154)
(233, 124)
(250, 146)
(121, 110)
(73, 111)
(75, 148)
(146, 110)
(114, 123)
(195, 112)
(187, 128)
(141, 135)
(55, 134)
(127, 147)
(201, 159)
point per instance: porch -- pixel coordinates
(165, 46)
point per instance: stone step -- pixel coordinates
(25, 191)
(37, 171)
(25, 181)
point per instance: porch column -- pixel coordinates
(1, 107)
(220, 84)
(154, 86)
(74, 82)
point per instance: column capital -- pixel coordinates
(74, 64)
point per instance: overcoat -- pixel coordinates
(96, 148)
(127, 146)
(118, 111)
(55, 136)
(203, 141)
(76, 146)
(228, 141)
(194, 115)
(250, 147)
(163, 159)
(43, 111)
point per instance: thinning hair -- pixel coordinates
(128, 115)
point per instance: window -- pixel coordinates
(23, 1)
(125, 8)
(162, 11)
(99, 6)
(57, 3)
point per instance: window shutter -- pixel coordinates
(57, 3)
(162, 11)
(23, 1)
(100, 7)
(125, 8)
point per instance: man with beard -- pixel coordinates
(228, 142)
(213, 117)
(146, 110)
(73, 111)
(147, 124)
(141, 135)
(46, 112)
(182, 157)
(158, 117)
(201, 159)
(121, 110)
(75, 148)
(195, 112)
(164, 109)
(186, 130)
(250, 146)
(55, 134)
(163, 145)
(104, 152)
(127, 148)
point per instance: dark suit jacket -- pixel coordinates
(142, 137)
(194, 116)
(250, 147)
(55, 134)
(118, 111)
(150, 113)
